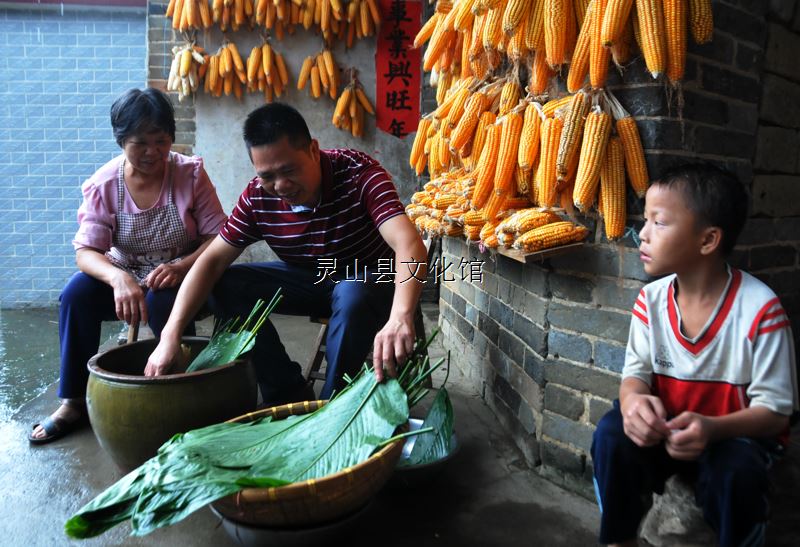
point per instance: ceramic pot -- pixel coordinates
(133, 415)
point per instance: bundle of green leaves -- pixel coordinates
(231, 340)
(203, 465)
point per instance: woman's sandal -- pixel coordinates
(55, 428)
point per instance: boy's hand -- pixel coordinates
(644, 419)
(690, 434)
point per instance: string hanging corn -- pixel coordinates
(599, 55)
(675, 32)
(579, 65)
(465, 129)
(635, 165)
(529, 139)
(419, 143)
(614, 20)
(622, 50)
(593, 151)
(551, 135)
(701, 20)
(571, 133)
(189, 64)
(556, 21)
(581, 7)
(534, 35)
(612, 189)
(540, 74)
(550, 235)
(509, 150)
(486, 165)
(650, 14)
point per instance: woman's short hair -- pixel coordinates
(271, 122)
(140, 111)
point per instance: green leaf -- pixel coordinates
(430, 447)
(203, 465)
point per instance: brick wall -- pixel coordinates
(160, 39)
(59, 74)
(544, 343)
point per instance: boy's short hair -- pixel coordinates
(269, 123)
(716, 197)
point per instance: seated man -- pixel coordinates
(332, 217)
(709, 380)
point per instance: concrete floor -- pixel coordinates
(485, 496)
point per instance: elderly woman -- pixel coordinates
(146, 217)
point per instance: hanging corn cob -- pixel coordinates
(232, 14)
(612, 189)
(352, 107)
(529, 139)
(593, 151)
(189, 14)
(675, 13)
(635, 164)
(189, 65)
(599, 55)
(266, 72)
(323, 74)
(701, 20)
(571, 134)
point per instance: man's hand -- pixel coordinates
(393, 344)
(162, 358)
(129, 303)
(690, 434)
(644, 419)
(166, 276)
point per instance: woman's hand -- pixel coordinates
(129, 302)
(166, 276)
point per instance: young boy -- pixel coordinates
(709, 380)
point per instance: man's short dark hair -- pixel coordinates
(270, 123)
(714, 195)
(142, 111)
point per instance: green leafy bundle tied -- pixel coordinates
(231, 340)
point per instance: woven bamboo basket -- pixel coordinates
(314, 501)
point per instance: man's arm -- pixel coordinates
(194, 291)
(395, 341)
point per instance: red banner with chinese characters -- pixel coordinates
(398, 67)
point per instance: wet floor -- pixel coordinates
(29, 354)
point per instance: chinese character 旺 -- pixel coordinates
(413, 270)
(325, 267)
(355, 275)
(400, 70)
(472, 270)
(397, 100)
(440, 267)
(398, 128)
(385, 271)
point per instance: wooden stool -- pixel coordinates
(311, 372)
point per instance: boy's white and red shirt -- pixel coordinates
(744, 356)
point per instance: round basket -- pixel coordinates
(314, 501)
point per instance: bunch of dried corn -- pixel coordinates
(323, 73)
(226, 72)
(266, 72)
(352, 107)
(189, 14)
(279, 17)
(189, 66)
(232, 14)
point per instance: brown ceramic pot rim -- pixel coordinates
(100, 372)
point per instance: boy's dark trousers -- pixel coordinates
(730, 483)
